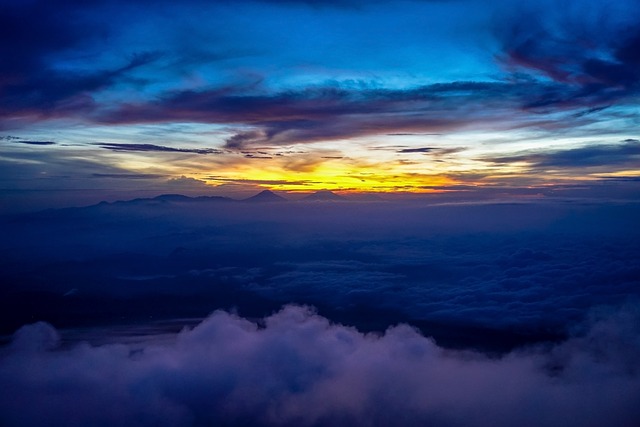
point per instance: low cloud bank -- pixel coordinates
(295, 368)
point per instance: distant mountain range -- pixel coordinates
(265, 196)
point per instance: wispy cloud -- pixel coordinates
(627, 153)
(128, 175)
(153, 147)
(416, 150)
(259, 181)
(34, 142)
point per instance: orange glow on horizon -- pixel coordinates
(335, 179)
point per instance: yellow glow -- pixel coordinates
(379, 166)
(333, 176)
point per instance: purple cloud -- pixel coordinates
(296, 368)
(323, 113)
(626, 153)
(594, 60)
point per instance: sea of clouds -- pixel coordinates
(528, 315)
(296, 368)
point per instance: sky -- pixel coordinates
(103, 100)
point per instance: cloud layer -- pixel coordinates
(296, 368)
(482, 275)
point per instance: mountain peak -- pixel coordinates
(266, 196)
(324, 195)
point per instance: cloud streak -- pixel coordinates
(330, 113)
(416, 150)
(627, 153)
(159, 148)
(326, 113)
(16, 140)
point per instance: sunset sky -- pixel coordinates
(103, 99)
(168, 257)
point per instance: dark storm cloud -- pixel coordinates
(153, 147)
(627, 152)
(300, 369)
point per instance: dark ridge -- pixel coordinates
(266, 196)
(324, 196)
(81, 211)
(176, 198)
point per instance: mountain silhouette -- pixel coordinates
(324, 196)
(266, 196)
(168, 199)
